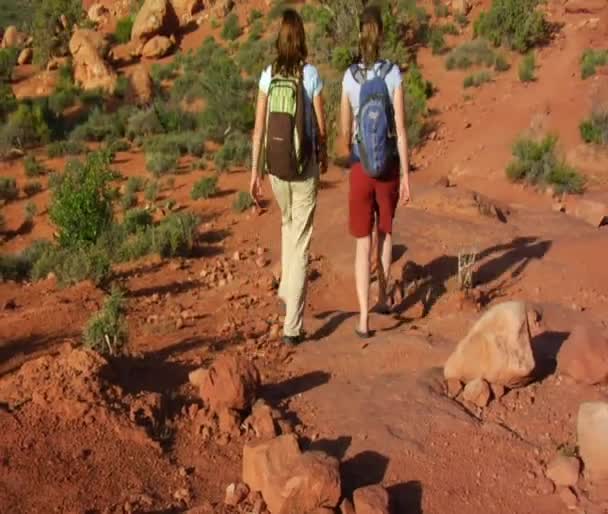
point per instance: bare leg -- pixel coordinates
(362, 258)
(385, 257)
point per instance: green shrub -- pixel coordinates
(124, 27)
(50, 40)
(30, 210)
(8, 189)
(136, 184)
(276, 9)
(19, 267)
(501, 63)
(101, 126)
(128, 200)
(136, 219)
(151, 191)
(441, 10)
(160, 163)
(243, 202)
(63, 148)
(417, 91)
(204, 188)
(471, 53)
(477, 79)
(106, 332)
(341, 58)
(33, 167)
(517, 24)
(254, 15)
(175, 235)
(538, 163)
(8, 102)
(143, 123)
(527, 67)
(590, 60)
(26, 127)
(437, 41)
(161, 72)
(449, 28)
(253, 56)
(595, 129)
(232, 29)
(32, 188)
(236, 151)
(81, 206)
(8, 60)
(461, 19)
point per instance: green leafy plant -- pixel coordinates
(242, 202)
(8, 189)
(32, 188)
(254, 15)
(342, 58)
(437, 41)
(204, 188)
(81, 206)
(537, 162)
(517, 24)
(232, 30)
(106, 332)
(417, 91)
(124, 27)
(527, 67)
(175, 235)
(477, 79)
(27, 126)
(591, 60)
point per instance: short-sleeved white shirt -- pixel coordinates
(352, 88)
(313, 85)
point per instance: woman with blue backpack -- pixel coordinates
(372, 119)
(289, 145)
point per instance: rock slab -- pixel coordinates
(584, 355)
(372, 499)
(592, 436)
(564, 471)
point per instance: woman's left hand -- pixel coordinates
(405, 196)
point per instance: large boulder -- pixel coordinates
(461, 7)
(584, 355)
(372, 499)
(156, 17)
(231, 383)
(142, 90)
(157, 47)
(497, 349)
(99, 41)
(185, 9)
(25, 56)
(91, 71)
(11, 37)
(592, 438)
(98, 13)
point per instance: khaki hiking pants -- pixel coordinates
(297, 201)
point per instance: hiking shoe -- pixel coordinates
(293, 340)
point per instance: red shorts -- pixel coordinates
(369, 197)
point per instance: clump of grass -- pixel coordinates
(594, 130)
(242, 202)
(106, 332)
(236, 151)
(63, 148)
(124, 27)
(501, 63)
(466, 265)
(472, 53)
(136, 219)
(538, 163)
(441, 10)
(204, 188)
(33, 167)
(8, 189)
(232, 29)
(32, 188)
(477, 79)
(591, 60)
(30, 210)
(437, 41)
(527, 66)
(160, 163)
(151, 191)
(175, 235)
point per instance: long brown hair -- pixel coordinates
(291, 44)
(371, 30)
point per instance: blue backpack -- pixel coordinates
(376, 144)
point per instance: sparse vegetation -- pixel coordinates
(30, 210)
(254, 15)
(232, 30)
(50, 39)
(594, 130)
(32, 188)
(466, 266)
(417, 92)
(106, 332)
(516, 24)
(151, 191)
(19, 266)
(26, 127)
(242, 202)
(8, 189)
(8, 60)
(33, 167)
(236, 151)
(472, 53)
(477, 79)
(204, 188)
(63, 148)
(437, 41)
(527, 66)
(136, 219)
(124, 26)
(591, 60)
(537, 162)
(161, 162)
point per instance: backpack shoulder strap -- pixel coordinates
(357, 73)
(385, 68)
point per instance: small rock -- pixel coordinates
(260, 251)
(564, 471)
(262, 421)
(179, 323)
(236, 256)
(275, 332)
(569, 498)
(454, 387)
(592, 427)
(261, 262)
(346, 507)
(25, 56)
(584, 355)
(182, 495)
(372, 499)
(236, 494)
(477, 392)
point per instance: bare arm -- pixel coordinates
(320, 115)
(256, 144)
(346, 127)
(400, 126)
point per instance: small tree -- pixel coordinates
(106, 332)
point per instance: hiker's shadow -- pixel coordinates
(333, 321)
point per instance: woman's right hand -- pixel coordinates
(405, 196)
(255, 187)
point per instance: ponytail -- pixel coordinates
(371, 30)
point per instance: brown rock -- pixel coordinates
(569, 498)
(453, 387)
(98, 13)
(311, 482)
(346, 507)
(584, 355)
(57, 62)
(232, 382)
(477, 392)
(185, 9)
(593, 212)
(81, 37)
(498, 390)
(461, 6)
(592, 427)
(90, 70)
(154, 18)
(236, 494)
(11, 37)
(229, 422)
(585, 6)
(371, 500)
(262, 420)
(496, 349)
(157, 47)
(141, 85)
(197, 377)
(25, 56)
(564, 471)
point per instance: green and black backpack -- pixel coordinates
(287, 146)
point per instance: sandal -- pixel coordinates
(363, 335)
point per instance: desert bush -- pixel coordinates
(186, 143)
(527, 67)
(276, 9)
(254, 15)
(128, 200)
(501, 63)
(136, 219)
(143, 123)
(461, 19)
(537, 162)
(175, 235)
(106, 332)
(517, 24)
(8, 102)
(342, 58)
(30, 210)
(242, 202)
(204, 188)
(417, 91)
(477, 79)
(441, 10)
(32, 188)
(62, 99)
(33, 167)
(595, 129)
(19, 266)
(232, 30)
(136, 184)
(49, 39)
(471, 53)
(161, 162)
(591, 60)
(8, 61)
(99, 126)
(124, 26)
(63, 148)
(8, 189)
(26, 127)
(437, 41)
(81, 206)
(253, 56)
(236, 151)
(161, 72)
(151, 191)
